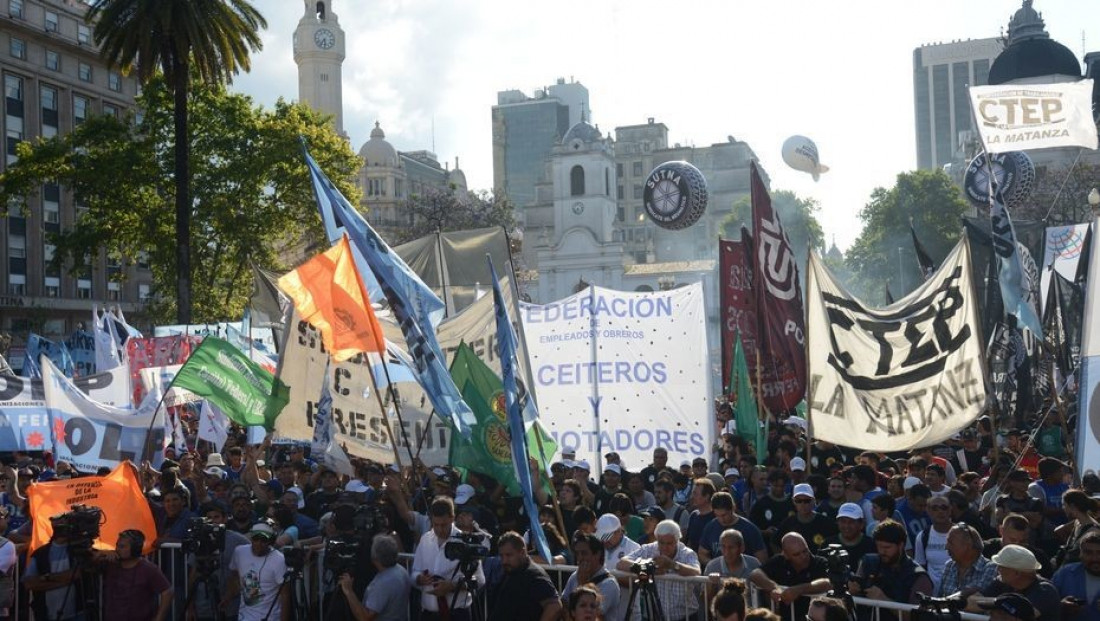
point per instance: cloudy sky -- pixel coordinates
(838, 72)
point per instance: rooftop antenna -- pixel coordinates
(433, 133)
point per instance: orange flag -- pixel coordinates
(118, 495)
(329, 294)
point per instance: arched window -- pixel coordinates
(321, 11)
(576, 181)
(607, 182)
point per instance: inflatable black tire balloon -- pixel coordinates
(1014, 174)
(675, 195)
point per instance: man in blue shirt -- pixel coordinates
(1079, 583)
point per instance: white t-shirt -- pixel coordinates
(260, 578)
(934, 556)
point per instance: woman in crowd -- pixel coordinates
(729, 602)
(584, 604)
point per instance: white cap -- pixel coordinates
(438, 472)
(464, 493)
(910, 482)
(356, 486)
(569, 463)
(798, 464)
(613, 468)
(803, 489)
(583, 465)
(796, 421)
(732, 472)
(685, 463)
(215, 471)
(262, 528)
(850, 510)
(607, 525)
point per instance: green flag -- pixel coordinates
(743, 402)
(245, 391)
(489, 449)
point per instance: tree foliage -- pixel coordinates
(252, 200)
(445, 210)
(1059, 195)
(799, 218)
(883, 254)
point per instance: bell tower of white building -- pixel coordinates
(319, 54)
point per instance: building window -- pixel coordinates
(637, 169)
(53, 60)
(143, 292)
(18, 48)
(620, 213)
(17, 284)
(84, 71)
(48, 253)
(114, 291)
(47, 96)
(13, 104)
(576, 181)
(52, 286)
(111, 111)
(607, 182)
(142, 260)
(637, 190)
(15, 8)
(80, 109)
(84, 288)
(51, 21)
(618, 171)
(619, 192)
(83, 34)
(114, 81)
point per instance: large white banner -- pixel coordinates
(623, 372)
(1017, 117)
(358, 423)
(1088, 424)
(900, 377)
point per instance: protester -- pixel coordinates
(790, 575)
(436, 576)
(725, 517)
(1018, 571)
(1076, 582)
(526, 592)
(255, 574)
(967, 571)
(733, 562)
(890, 575)
(930, 547)
(728, 603)
(584, 604)
(137, 590)
(589, 554)
(814, 527)
(850, 535)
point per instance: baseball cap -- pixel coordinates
(215, 471)
(613, 468)
(910, 482)
(732, 472)
(849, 510)
(1019, 475)
(653, 512)
(214, 459)
(798, 464)
(1014, 604)
(356, 486)
(463, 494)
(262, 530)
(1016, 557)
(607, 525)
(685, 464)
(583, 465)
(803, 489)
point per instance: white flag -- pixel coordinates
(178, 439)
(1018, 117)
(213, 425)
(106, 347)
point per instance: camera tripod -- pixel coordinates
(650, 604)
(299, 607)
(207, 569)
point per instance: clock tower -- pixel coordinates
(319, 54)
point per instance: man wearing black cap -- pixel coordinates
(651, 516)
(971, 457)
(659, 465)
(318, 503)
(1017, 500)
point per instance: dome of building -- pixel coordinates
(1031, 52)
(378, 152)
(582, 131)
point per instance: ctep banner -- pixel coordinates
(25, 419)
(623, 372)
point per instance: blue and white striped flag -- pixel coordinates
(322, 422)
(1010, 273)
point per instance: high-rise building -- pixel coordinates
(54, 80)
(942, 72)
(319, 53)
(525, 129)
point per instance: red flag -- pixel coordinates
(735, 267)
(781, 336)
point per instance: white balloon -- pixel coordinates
(800, 153)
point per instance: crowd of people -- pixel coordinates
(996, 520)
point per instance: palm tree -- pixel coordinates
(206, 39)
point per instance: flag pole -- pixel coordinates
(396, 408)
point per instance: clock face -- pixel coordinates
(578, 208)
(324, 39)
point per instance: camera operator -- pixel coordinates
(49, 574)
(256, 574)
(1011, 607)
(204, 609)
(526, 592)
(362, 567)
(791, 574)
(387, 596)
(669, 555)
(890, 575)
(438, 577)
(137, 589)
(850, 535)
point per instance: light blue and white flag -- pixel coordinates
(322, 423)
(58, 353)
(108, 354)
(213, 425)
(1010, 273)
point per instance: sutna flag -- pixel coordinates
(738, 303)
(415, 308)
(1010, 274)
(924, 260)
(1019, 117)
(506, 349)
(247, 393)
(489, 449)
(781, 336)
(117, 494)
(741, 398)
(329, 294)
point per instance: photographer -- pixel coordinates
(438, 577)
(890, 575)
(205, 607)
(387, 596)
(256, 575)
(137, 589)
(526, 592)
(54, 581)
(669, 556)
(346, 552)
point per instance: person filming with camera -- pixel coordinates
(53, 578)
(256, 576)
(668, 556)
(890, 575)
(442, 592)
(387, 595)
(137, 589)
